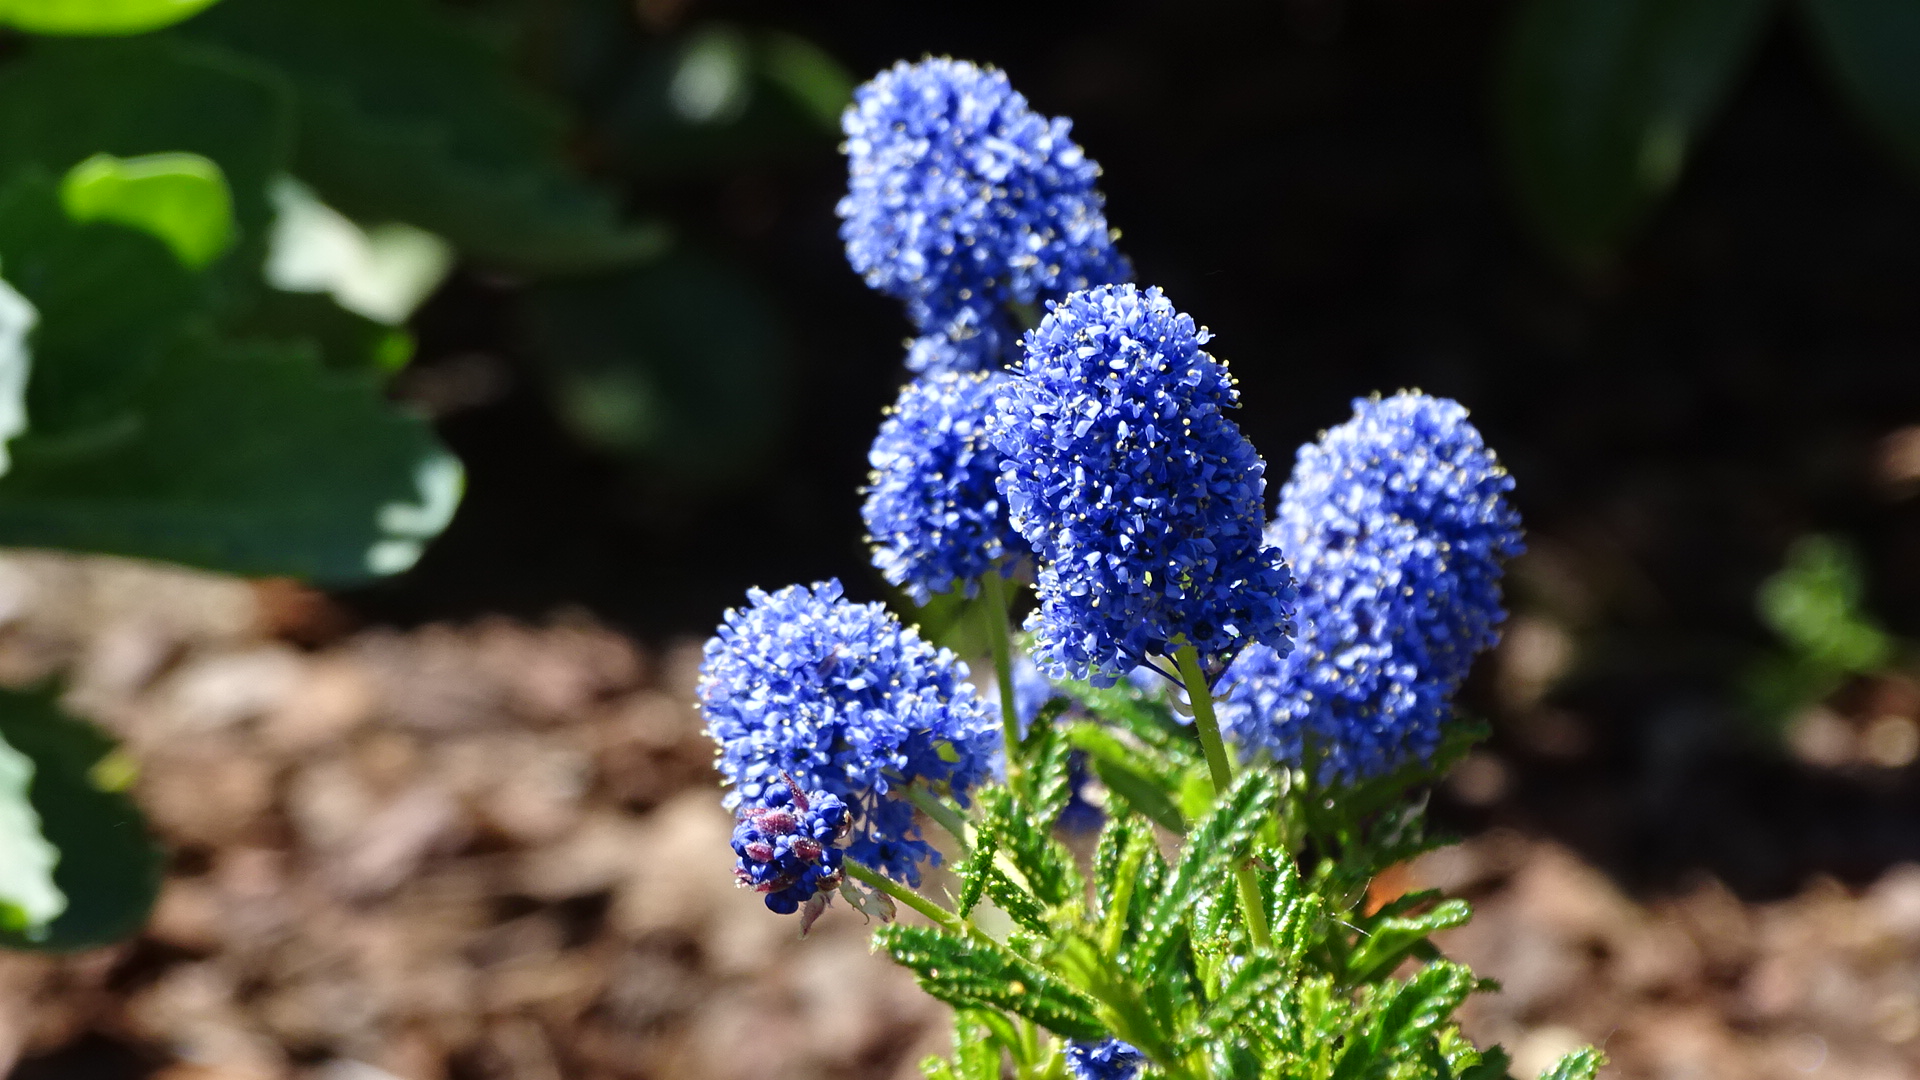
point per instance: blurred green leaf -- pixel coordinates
(108, 869)
(1600, 101)
(68, 100)
(338, 337)
(181, 199)
(406, 116)
(1814, 604)
(382, 273)
(28, 897)
(719, 95)
(247, 461)
(97, 17)
(681, 363)
(1874, 49)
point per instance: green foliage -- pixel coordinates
(108, 870)
(1813, 604)
(1601, 100)
(677, 363)
(1147, 941)
(29, 899)
(1871, 46)
(96, 17)
(1582, 1064)
(406, 115)
(180, 199)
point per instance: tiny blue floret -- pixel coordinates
(961, 200)
(934, 517)
(1108, 1059)
(843, 699)
(1397, 522)
(1143, 503)
(785, 846)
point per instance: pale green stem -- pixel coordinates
(1200, 693)
(993, 588)
(943, 815)
(945, 919)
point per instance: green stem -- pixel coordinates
(942, 814)
(1200, 693)
(994, 611)
(945, 919)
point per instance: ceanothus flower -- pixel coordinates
(842, 699)
(1108, 1059)
(961, 200)
(933, 515)
(1397, 522)
(785, 846)
(1142, 501)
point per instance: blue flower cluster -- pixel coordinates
(1109, 1059)
(962, 200)
(1397, 522)
(1142, 501)
(933, 516)
(840, 697)
(786, 846)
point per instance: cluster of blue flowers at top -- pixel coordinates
(962, 200)
(1108, 1059)
(786, 846)
(1142, 501)
(1397, 523)
(933, 516)
(844, 700)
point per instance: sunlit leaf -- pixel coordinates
(381, 273)
(1602, 99)
(180, 199)
(109, 870)
(17, 319)
(97, 17)
(29, 899)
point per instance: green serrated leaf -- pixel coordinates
(1402, 1016)
(1581, 1064)
(406, 115)
(964, 974)
(29, 899)
(96, 17)
(1047, 753)
(108, 869)
(1387, 941)
(1141, 778)
(1215, 845)
(180, 199)
(1602, 99)
(1493, 1065)
(1018, 903)
(979, 864)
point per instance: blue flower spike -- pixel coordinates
(1142, 501)
(1398, 525)
(1108, 1059)
(806, 691)
(934, 518)
(963, 202)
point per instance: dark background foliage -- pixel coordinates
(1321, 183)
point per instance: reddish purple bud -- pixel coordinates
(779, 822)
(760, 851)
(808, 850)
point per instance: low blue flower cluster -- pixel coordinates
(1108, 1059)
(933, 516)
(1397, 523)
(1142, 501)
(785, 846)
(840, 697)
(962, 200)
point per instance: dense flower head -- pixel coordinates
(961, 199)
(840, 697)
(1398, 523)
(1143, 503)
(1108, 1059)
(785, 846)
(933, 515)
